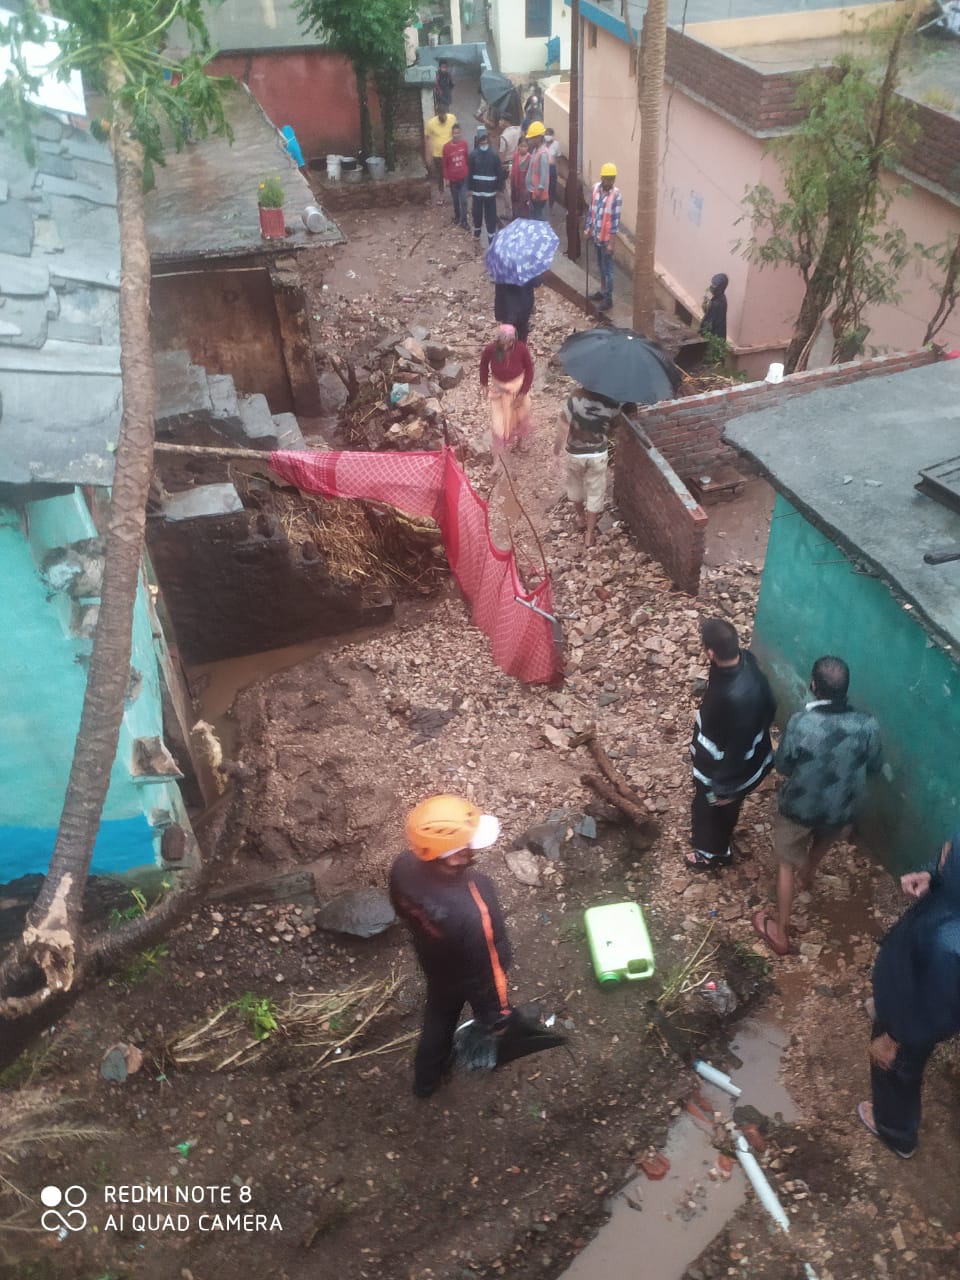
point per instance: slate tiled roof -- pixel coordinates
(60, 400)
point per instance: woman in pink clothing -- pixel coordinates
(506, 375)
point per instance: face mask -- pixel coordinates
(484, 146)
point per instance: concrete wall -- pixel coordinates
(516, 54)
(42, 682)
(718, 117)
(662, 514)
(813, 602)
(689, 431)
(312, 89)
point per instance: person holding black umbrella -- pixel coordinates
(586, 421)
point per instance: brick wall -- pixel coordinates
(762, 102)
(936, 153)
(689, 431)
(661, 512)
(759, 100)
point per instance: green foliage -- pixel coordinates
(270, 194)
(16, 111)
(141, 966)
(119, 46)
(259, 1013)
(832, 224)
(371, 36)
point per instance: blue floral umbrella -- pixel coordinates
(522, 251)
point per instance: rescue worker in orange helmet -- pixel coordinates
(456, 925)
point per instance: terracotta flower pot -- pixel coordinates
(271, 224)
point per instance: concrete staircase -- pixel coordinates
(189, 397)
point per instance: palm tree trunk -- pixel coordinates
(51, 937)
(652, 62)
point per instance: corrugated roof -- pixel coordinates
(849, 456)
(60, 394)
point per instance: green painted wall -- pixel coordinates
(813, 602)
(42, 682)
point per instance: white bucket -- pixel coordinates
(377, 168)
(774, 374)
(313, 218)
(433, 40)
(333, 168)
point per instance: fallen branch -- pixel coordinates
(607, 767)
(226, 452)
(603, 788)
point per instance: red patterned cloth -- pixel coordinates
(433, 484)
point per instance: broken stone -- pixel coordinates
(451, 375)
(360, 912)
(546, 839)
(435, 352)
(411, 347)
(586, 827)
(559, 738)
(332, 395)
(523, 865)
(120, 1061)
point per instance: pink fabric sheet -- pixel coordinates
(434, 484)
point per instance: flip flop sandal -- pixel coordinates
(861, 1112)
(698, 861)
(761, 922)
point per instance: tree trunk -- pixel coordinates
(388, 84)
(653, 54)
(51, 936)
(818, 294)
(363, 97)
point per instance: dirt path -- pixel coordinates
(505, 1175)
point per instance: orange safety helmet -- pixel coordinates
(443, 825)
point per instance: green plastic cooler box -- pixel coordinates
(619, 943)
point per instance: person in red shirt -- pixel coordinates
(456, 155)
(506, 366)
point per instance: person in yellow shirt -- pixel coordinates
(437, 132)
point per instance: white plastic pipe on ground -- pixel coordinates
(716, 1077)
(758, 1180)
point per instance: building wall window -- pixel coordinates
(538, 19)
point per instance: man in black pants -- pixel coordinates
(486, 179)
(456, 925)
(731, 747)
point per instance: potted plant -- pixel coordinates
(270, 200)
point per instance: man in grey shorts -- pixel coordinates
(826, 755)
(585, 423)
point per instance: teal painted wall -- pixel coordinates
(812, 602)
(42, 681)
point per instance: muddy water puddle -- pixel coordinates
(657, 1229)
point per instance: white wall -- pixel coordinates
(517, 54)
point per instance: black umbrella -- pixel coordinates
(620, 364)
(501, 96)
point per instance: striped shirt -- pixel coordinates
(599, 210)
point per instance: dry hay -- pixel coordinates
(329, 1021)
(367, 543)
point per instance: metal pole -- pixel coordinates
(573, 140)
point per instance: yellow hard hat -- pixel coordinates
(537, 129)
(608, 171)
(443, 825)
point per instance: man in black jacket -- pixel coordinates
(731, 747)
(456, 925)
(486, 179)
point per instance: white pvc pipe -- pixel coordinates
(765, 1193)
(716, 1077)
